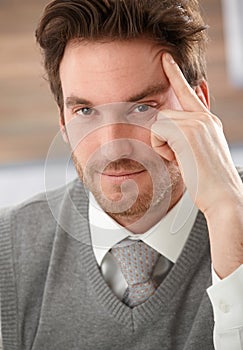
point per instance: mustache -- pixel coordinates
(117, 165)
(124, 164)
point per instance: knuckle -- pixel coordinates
(209, 119)
(217, 121)
(204, 118)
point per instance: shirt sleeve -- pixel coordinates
(226, 297)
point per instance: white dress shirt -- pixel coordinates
(168, 237)
(176, 226)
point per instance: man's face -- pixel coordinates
(111, 94)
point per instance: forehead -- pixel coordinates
(111, 71)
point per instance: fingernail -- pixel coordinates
(169, 58)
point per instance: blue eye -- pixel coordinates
(142, 108)
(84, 111)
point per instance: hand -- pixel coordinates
(194, 137)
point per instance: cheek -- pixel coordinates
(85, 149)
(82, 141)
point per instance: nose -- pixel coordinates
(116, 142)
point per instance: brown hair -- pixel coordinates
(177, 24)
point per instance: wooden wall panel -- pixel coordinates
(28, 115)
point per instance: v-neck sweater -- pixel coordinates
(55, 298)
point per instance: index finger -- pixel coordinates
(186, 95)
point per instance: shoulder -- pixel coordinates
(36, 213)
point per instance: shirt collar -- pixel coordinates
(167, 237)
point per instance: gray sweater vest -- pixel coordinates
(54, 297)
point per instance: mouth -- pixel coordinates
(117, 176)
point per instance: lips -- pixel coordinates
(117, 177)
(122, 172)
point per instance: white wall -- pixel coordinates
(233, 29)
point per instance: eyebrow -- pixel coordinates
(72, 101)
(149, 91)
(152, 90)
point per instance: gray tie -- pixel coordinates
(137, 262)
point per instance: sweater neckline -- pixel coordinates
(178, 277)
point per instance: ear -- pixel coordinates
(63, 127)
(202, 92)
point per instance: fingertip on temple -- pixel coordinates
(169, 58)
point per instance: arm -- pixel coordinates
(227, 302)
(194, 138)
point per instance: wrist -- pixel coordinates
(225, 224)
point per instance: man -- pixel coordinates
(125, 257)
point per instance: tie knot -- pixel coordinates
(137, 261)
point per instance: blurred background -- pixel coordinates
(28, 115)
